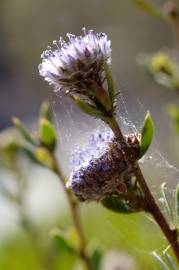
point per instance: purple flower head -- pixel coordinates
(101, 169)
(76, 64)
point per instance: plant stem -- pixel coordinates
(74, 208)
(154, 210)
(151, 206)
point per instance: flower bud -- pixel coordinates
(103, 170)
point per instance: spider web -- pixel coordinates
(161, 176)
(74, 128)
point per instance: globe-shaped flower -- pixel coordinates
(76, 64)
(101, 170)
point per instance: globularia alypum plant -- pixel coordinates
(107, 171)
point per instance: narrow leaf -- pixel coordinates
(44, 157)
(22, 129)
(45, 111)
(47, 134)
(110, 83)
(60, 240)
(149, 9)
(117, 205)
(146, 134)
(96, 258)
(73, 238)
(87, 108)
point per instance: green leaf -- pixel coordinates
(149, 9)
(44, 157)
(59, 238)
(22, 129)
(45, 111)
(96, 258)
(73, 238)
(110, 83)
(47, 134)
(117, 205)
(146, 134)
(87, 108)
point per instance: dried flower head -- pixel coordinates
(76, 64)
(101, 170)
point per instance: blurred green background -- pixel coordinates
(26, 28)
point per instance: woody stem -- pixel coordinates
(151, 206)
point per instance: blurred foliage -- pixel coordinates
(163, 68)
(149, 8)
